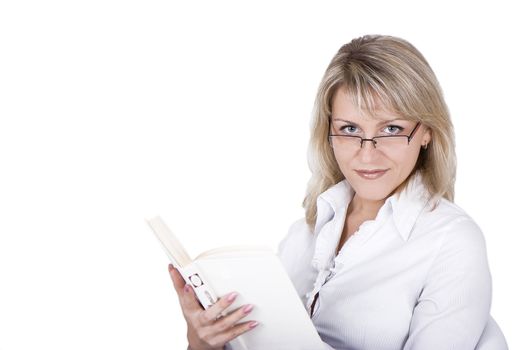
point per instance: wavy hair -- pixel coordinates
(382, 72)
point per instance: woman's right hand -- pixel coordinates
(207, 329)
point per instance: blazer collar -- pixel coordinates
(408, 205)
(404, 207)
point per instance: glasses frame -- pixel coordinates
(373, 139)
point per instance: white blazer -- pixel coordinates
(413, 278)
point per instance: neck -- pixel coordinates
(365, 207)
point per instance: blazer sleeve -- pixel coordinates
(454, 305)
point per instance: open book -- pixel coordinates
(260, 279)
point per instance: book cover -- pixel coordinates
(259, 277)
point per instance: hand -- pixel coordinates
(206, 329)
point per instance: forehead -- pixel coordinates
(345, 107)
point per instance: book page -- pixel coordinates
(260, 279)
(233, 251)
(173, 248)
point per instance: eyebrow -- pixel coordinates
(383, 122)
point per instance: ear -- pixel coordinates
(427, 137)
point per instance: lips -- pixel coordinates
(371, 174)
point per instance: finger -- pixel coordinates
(189, 302)
(236, 330)
(176, 278)
(217, 309)
(187, 298)
(230, 320)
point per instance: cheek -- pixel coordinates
(344, 159)
(410, 159)
(403, 163)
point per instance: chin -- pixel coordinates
(372, 195)
(372, 190)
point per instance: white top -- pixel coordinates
(413, 278)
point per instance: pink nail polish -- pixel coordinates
(253, 324)
(247, 309)
(232, 296)
(187, 288)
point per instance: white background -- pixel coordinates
(113, 111)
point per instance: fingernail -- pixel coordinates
(253, 324)
(247, 309)
(187, 288)
(232, 296)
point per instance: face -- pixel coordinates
(374, 172)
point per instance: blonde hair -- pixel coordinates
(382, 72)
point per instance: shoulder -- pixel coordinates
(299, 234)
(457, 236)
(451, 221)
(297, 245)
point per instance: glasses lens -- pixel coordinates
(346, 141)
(391, 142)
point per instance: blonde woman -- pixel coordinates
(383, 260)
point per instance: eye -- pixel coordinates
(393, 129)
(348, 129)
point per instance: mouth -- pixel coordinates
(371, 174)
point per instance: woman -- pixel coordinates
(383, 258)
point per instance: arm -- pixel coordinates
(453, 307)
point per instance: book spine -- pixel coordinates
(207, 297)
(193, 276)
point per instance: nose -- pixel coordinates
(368, 152)
(364, 141)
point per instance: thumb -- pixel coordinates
(176, 278)
(187, 298)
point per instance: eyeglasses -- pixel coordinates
(379, 142)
